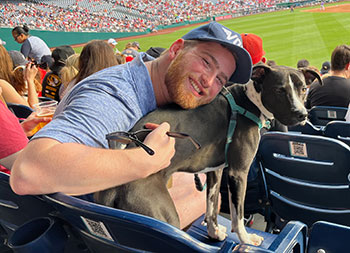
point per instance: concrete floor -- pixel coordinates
(259, 222)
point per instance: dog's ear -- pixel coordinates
(310, 75)
(259, 72)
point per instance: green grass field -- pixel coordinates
(287, 36)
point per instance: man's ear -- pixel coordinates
(347, 66)
(176, 47)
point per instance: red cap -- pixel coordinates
(253, 44)
(129, 58)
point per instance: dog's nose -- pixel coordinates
(300, 114)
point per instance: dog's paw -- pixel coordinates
(222, 228)
(217, 232)
(255, 239)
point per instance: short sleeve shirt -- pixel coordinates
(12, 136)
(113, 99)
(35, 48)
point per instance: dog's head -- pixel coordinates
(283, 91)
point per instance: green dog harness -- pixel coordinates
(233, 119)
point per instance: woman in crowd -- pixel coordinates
(33, 48)
(9, 81)
(95, 56)
(68, 72)
(14, 135)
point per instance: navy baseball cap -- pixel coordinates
(231, 40)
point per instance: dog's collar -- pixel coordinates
(255, 98)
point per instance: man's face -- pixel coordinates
(197, 74)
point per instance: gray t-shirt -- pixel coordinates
(35, 48)
(113, 99)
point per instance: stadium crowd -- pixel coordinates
(117, 15)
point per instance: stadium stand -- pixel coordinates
(119, 15)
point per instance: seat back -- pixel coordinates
(321, 115)
(328, 237)
(308, 128)
(106, 229)
(339, 130)
(307, 177)
(15, 210)
(21, 111)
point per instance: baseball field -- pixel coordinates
(287, 36)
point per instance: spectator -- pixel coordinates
(303, 63)
(326, 66)
(95, 56)
(21, 84)
(335, 90)
(8, 80)
(271, 63)
(52, 80)
(13, 137)
(33, 48)
(131, 49)
(121, 59)
(68, 72)
(18, 58)
(190, 73)
(44, 67)
(254, 45)
(155, 52)
(113, 44)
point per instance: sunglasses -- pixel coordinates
(126, 138)
(16, 37)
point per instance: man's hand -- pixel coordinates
(162, 144)
(30, 123)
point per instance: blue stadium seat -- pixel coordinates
(308, 128)
(106, 229)
(307, 177)
(21, 111)
(321, 115)
(339, 130)
(329, 237)
(16, 210)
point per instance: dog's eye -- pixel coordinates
(303, 90)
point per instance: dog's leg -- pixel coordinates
(215, 230)
(237, 185)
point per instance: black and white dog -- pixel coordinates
(273, 92)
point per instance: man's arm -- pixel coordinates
(48, 166)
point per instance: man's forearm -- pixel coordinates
(47, 166)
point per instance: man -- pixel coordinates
(254, 45)
(335, 90)
(131, 49)
(52, 81)
(303, 63)
(70, 154)
(113, 44)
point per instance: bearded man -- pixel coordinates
(71, 154)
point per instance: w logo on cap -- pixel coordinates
(232, 37)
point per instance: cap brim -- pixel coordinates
(244, 63)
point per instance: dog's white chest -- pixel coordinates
(209, 169)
